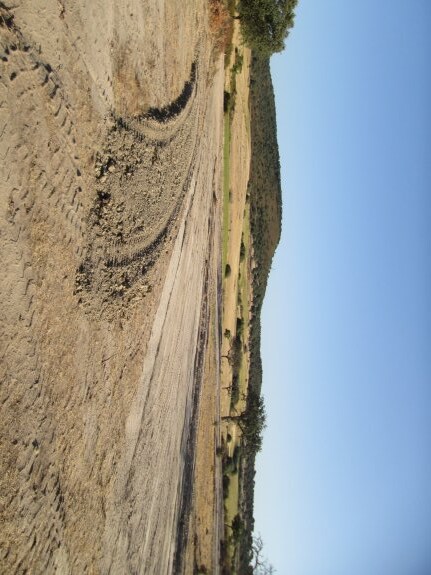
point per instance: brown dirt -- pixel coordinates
(111, 133)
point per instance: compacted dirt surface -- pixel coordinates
(110, 145)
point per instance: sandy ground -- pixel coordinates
(111, 135)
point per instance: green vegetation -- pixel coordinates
(264, 193)
(264, 182)
(266, 23)
(252, 422)
(261, 234)
(230, 96)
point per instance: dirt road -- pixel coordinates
(156, 427)
(111, 129)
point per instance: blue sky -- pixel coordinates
(343, 483)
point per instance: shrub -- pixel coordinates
(242, 251)
(234, 397)
(237, 527)
(226, 101)
(226, 482)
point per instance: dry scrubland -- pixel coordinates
(251, 232)
(113, 261)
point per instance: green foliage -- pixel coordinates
(229, 465)
(237, 67)
(254, 422)
(235, 354)
(234, 394)
(237, 527)
(226, 482)
(230, 96)
(266, 23)
(242, 251)
(235, 360)
(264, 182)
(226, 101)
(239, 326)
(235, 457)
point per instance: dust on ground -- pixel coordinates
(111, 130)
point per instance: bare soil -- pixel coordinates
(111, 138)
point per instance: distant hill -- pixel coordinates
(264, 192)
(265, 198)
(264, 183)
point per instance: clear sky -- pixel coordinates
(343, 484)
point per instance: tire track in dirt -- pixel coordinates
(158, 427)
(63, 389)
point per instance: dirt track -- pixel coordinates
(110, 123)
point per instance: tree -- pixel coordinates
(234, 355)
(252, 421)
(260, 564)
(237, 527)
(266, 23)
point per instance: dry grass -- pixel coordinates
(130, 97)
(221, 26)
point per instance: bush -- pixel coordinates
(235, 355)
(242, 252)
(226, 101)
(239, 59)
(226, 482)
(237, 527)
(239, 326)
(234, 396)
